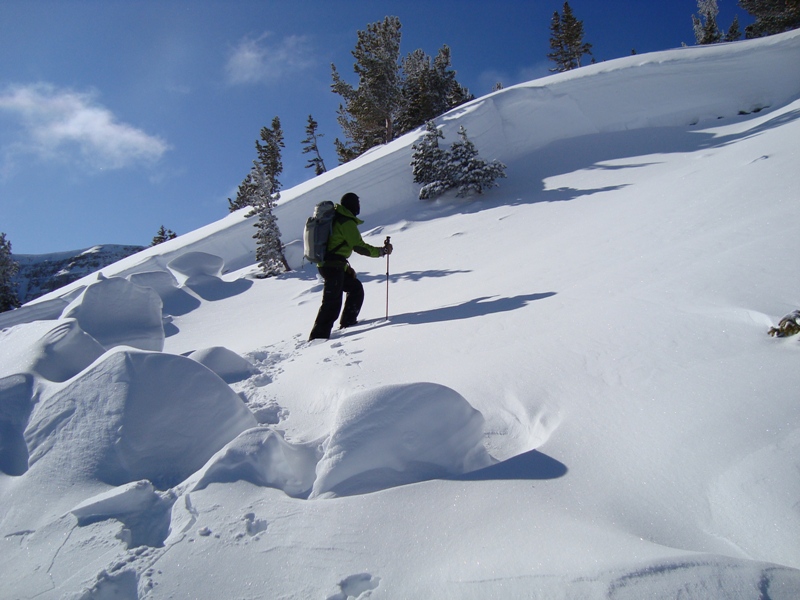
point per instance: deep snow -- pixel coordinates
(575, 395)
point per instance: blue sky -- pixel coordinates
(117, 117)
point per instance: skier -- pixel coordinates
(338, 274)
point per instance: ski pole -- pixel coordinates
(385, 244)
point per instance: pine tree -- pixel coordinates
(269, 153)
(734, 31)
(269, 158)
(245, 194)
(429, 89)
(566, 41)
(705, 26)
(368, 114)
(771, 16)
(312, 147)
(458, 167)
(164, 234)
(429, 163)
(468, 171)
(8, 270)
(269, 249)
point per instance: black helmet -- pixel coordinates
(351, 203)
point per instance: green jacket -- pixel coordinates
(346, 239)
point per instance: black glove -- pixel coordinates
(386, 250)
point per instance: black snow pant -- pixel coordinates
(338, 280)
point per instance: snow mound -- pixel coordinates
(117, 312)
(262, 457)
(400, 434)
(194, 264)
(201, 271)
(175, 300)
(132, 416)
(15, 407)
(144, 512)
(53, 350)
(226, 363)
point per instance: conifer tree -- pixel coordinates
(566, 41)
(269, 153)
(429, 163)
(468, 171)
(245, 193)
(268, 150)
(458, 167)
(705, 26)
(771, 16)
(429, 89)
(312, 147)
(163, 235)
(368, 114)
(734, 31)
(8, 270)
(269, 249)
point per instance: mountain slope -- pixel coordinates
(574, 395)
(40, 274)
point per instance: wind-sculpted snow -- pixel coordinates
(175, 300)
(54, 350)
(16, 392)
(201, 272)
(227, 364)
(382, 438)
(400, 434)
(117, 312)
(262, 457)
(131, 416)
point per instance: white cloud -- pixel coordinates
(257, 61)
(65, 125)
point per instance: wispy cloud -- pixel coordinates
(59, 124)
(263, 60)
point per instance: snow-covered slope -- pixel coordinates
(575, 395)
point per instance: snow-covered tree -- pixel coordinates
(269, 249)
(163, 235)
(311, 147)
(771, 16)
(468, 172)
(245, 194)
(269, 153)
(457, 167)
(268, 149)
(566, 41)
(429, 163)
(8, 270)
(704, 23)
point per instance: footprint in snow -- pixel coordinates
(356, 586)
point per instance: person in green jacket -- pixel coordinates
(339, 277)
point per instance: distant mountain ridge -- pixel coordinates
(42, 273)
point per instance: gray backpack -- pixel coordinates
(317, 231)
